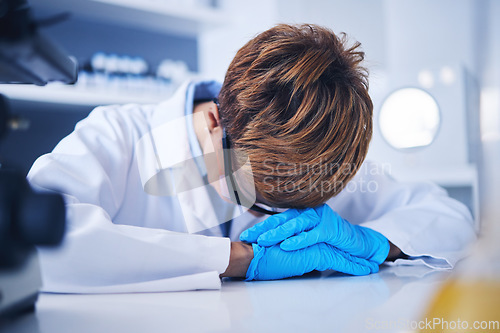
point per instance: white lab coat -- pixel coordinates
(121, 239)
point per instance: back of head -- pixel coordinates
(295, 101)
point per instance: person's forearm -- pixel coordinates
(394, 253)
(239, 260)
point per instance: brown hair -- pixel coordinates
(295, 100)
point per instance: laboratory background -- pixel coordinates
(139, 53)
(434, 73)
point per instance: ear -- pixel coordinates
(213, 117)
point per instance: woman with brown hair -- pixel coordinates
(158, 195)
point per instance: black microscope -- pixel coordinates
(27, 218)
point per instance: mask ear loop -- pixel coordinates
(228, 170)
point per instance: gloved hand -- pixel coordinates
(298, 229)
(271, 263)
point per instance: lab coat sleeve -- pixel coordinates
(90, 168)
(419, 218)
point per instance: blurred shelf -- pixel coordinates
(57, 93)
(174, 17)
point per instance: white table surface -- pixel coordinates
(326, 302)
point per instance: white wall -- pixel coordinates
(490, 119)
(361, 20)
(426, 32)
(245, 19)
(490, 74)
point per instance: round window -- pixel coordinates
(409, 118)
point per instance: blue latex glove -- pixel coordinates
(272, 263)
(298, 229)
